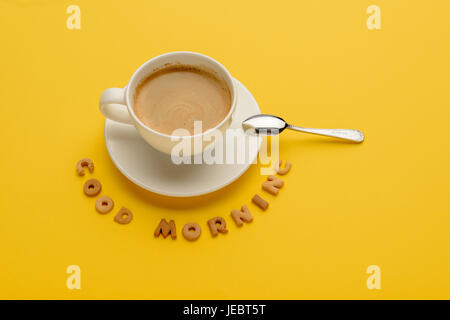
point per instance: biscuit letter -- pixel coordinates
(283, 171)
(84, 163)
(217, 225)
(191, 231)
(104, 204)
(165, 229)
(272, 185)
(260, 202)
(241, 216)
(92, 187)
(124, 216)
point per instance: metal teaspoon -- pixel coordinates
(268, 124)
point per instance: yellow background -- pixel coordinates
(315, 63)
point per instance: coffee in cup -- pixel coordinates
(174, 97)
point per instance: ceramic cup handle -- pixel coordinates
(113, 105)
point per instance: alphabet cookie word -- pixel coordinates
(191, 231)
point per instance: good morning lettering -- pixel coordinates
(191, 231)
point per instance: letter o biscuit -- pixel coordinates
(92, 187)
(191, 231)
(104, 204)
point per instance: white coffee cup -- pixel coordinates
(117, 103)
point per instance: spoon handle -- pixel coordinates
(346, 134)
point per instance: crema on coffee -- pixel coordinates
(174, 97)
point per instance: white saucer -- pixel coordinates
(154, 171)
